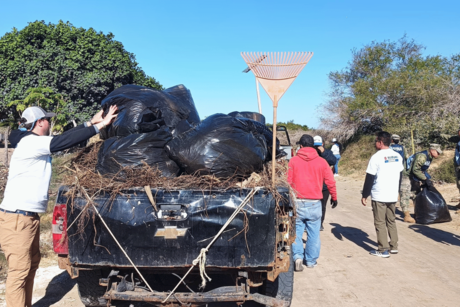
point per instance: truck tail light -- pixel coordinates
(292, 152)
(59, 226)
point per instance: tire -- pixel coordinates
(283, 286)
(91, 294)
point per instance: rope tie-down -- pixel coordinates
(201, 259)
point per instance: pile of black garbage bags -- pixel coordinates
(163, 129)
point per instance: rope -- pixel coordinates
(201, 259)
(113, 236)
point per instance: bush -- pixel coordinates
(445, 172)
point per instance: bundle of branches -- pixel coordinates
(83, 176)
(3, 177)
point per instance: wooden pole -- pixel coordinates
(412, 140)
(275, 107)
(258, 96)
(7, 132)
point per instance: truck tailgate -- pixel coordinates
(186, 222)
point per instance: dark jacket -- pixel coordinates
(330, 159)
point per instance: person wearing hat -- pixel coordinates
(415, 171)
(306, 174)
(398, 147)
(327, 155)
(26, 194)
(405, 185)
(336, 150)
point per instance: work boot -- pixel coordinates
(408, 218)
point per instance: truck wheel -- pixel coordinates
(283, 286)
(91, 294)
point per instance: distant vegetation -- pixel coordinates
(391, 86)
(291, 126)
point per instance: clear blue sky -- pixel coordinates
(198, 43)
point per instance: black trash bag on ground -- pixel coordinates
(251, 115)
(131, 150)
(221, 145)
(142, 109)
(430, 207)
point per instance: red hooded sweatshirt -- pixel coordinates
(307, 172)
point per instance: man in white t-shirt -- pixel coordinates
(26, 194)
(383, 175)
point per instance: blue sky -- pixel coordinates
(198, 43)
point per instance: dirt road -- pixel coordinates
(424, 273)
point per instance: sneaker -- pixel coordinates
(322, 228)
(335, 175)
(384, 254)
(393, 251)
(298, 265)
(311, 266)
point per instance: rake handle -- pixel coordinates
(275, 108)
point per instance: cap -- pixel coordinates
(436, 147)
(32, 114)
(318, 141)
(306, 141)
(334, 140)
(395, 137)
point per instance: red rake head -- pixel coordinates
(276, 70)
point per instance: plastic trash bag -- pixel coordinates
(430, 207)
(142, 109)
(221, 145)
(131, 150)
(251, 115)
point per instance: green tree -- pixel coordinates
(392, 86)
(48, 100)
(82, 65)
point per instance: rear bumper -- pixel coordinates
(222, 294)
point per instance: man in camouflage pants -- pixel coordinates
(415, 175)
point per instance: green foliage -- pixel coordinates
(48, 100)
(445, 172)
(82, 65)
(391, 86)
(291, 126)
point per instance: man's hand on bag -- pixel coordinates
(364, 201)
(334, 203)
(428, 183)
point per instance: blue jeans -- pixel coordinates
(336, 166)
(308, 217)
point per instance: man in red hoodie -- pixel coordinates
(306, 174)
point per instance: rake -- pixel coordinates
(276, 72)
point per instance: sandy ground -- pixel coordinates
(424, 273)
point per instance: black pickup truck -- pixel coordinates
(250, 261)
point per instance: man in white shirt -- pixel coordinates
(26, 194)
(336, 150)
(383, 176)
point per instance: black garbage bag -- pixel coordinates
(251, 115)
(221, 145)
(142, 109)
(131, 150)
(430, 207)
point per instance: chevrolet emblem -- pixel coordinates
(170, 232)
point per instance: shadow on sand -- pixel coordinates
(354, 235)
(437, 235)
(58, 287)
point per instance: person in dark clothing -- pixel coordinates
(327, 155)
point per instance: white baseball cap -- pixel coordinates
(318, 141)
(32, 114)
(334, 140)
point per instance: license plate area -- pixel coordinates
(168, 212)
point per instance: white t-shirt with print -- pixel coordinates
(386, 165)
(29, 175)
